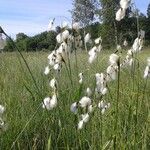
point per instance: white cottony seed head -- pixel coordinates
(85, 117)
(85, 101)
(87, 38)
(113, 59)
(2, 109)
(76, 26)
(89, 92)
(124, 4)
(80, 124)
(120, 14)
(74, 108)
(53, 83)
(47, 70)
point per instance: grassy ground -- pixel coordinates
(29, 126)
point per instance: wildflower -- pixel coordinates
(80, 124)
(53, 83)
(85, 117)
(118, 47)
(52, 57)
(89, 92)
(50, 103)
(130, 53)
(114, 59)
(65, 35)
(90, 109)
(57, 67)
(59, 58)
(98, 40)
(54, 101)
(85, 101)
(100, 83)
(125, 43)
(59, 38)
(120, 14)
(50, 25)
(111, 72)
(103, 106)
(63, 49)
(148, 61)
(46, 103)
(76, 26)
(87, 38)
(147, 69)
(74, 108)
(124, 4)
(131, 62)
(137, 45)
(147, 72)
(1, 123)
(80, 78)
(93, 54)
(2, 109)
(99, 48)
(47, 70)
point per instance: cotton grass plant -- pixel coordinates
(77, 100)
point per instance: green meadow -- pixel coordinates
(29, 126)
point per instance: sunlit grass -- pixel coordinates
(31, 127)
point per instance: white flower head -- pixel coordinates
(125, 43)
(76, 26)
(74, 108)
(98, 40)
(65, 35)
(50, 103)
(59, 38)
(85, 101)
(124, 4)
(89, 92)
(120, 14)
(90, 109)
(111, 72)
(80, 78)
(148, 61)
(2, 109)
(104, 90)
(54, 101)
(50, 25)
(87, 38)
(47, 70)
(114, 59)
(118, 47)
(46, 103)
(93, 54)
(85, 117)
(130, 53)
(99, 48)
(53, 83)
(103, 106)
(131, 61)
(147, 72)
(80, 124)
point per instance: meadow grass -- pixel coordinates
(29, 126)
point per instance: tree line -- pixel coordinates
(97, 18)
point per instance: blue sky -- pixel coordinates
(32, 16)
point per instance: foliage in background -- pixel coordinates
(42, 41)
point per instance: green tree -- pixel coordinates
(83, 11)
